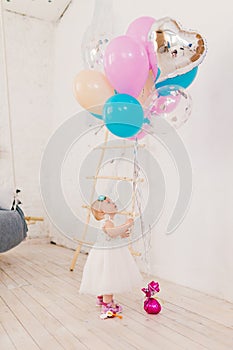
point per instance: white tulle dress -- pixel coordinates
(110, 268)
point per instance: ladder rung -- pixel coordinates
(116, 147)
(123, 178)
(33, 218)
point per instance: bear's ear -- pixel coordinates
(200, 48)
(160, 39)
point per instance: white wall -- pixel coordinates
(199, 254)
(29, 44)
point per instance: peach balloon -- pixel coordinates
(147, 88)
(92, 89)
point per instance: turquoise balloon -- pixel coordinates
(158, 74)
(98, 116)
(123, 115)
(183, 80)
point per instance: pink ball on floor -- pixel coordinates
(152, 306)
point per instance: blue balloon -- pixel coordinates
(183, 80)
(98, 116)
(123, 115)
(158, 74)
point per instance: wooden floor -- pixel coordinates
(40, 308)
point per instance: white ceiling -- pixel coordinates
(48, 10)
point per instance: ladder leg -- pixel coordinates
(134, 252)
(75, 257)
(76, 254)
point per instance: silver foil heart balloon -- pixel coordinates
(178, 50)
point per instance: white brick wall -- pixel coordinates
(29, 45)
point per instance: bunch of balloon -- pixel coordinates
(144, 77)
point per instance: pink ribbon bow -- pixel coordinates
(151, 289)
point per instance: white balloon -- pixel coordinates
(98, 35)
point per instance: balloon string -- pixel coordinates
(138, 195)
(99, 129)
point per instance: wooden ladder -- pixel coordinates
(95, 178)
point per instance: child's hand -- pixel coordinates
(125, 234)
(130, 222)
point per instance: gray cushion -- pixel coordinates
(13, 228)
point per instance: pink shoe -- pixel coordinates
(99, 300)
(109, 307)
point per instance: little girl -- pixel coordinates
(109, 268)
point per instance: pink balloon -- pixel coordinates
(165, 104)
(139, 136)
(152, 306)
(139, 30)
(143, 132)
(126, 65)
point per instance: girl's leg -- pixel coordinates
(99, 300)
(107, 298)
(109, 304)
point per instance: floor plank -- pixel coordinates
(19, 336)
(6, 342)
(30, 323)
(40, 308)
